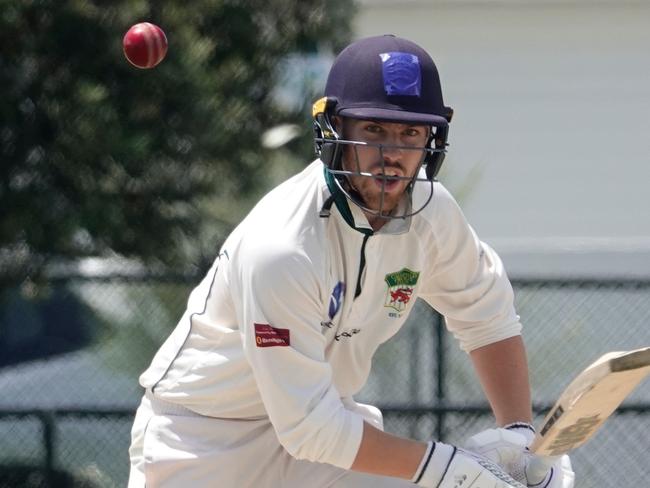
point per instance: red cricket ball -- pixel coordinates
(145, 45)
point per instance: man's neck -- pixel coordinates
(375, 222)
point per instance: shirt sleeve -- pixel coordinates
(279, 311)
(468, 284)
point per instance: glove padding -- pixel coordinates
(445, 466)
(507, 447)
(560, 475)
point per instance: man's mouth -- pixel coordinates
(387, 184)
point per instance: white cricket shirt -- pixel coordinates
(287, 320)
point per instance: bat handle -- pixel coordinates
(538, 468)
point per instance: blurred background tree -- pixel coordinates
(99, 158)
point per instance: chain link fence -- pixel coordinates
(71, 351)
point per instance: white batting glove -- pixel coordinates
(445, 466)
(507, 447)
(560, 474)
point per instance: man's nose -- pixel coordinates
(391, 152)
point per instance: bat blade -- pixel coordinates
(589, 400)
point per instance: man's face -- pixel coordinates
(390, 161)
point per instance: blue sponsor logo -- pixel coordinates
(401, 74)
(336, 299)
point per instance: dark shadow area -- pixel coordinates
(25, 476)
(48, 324)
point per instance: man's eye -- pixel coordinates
(412, 132)
(375, 129)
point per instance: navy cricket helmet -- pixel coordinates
(382, 78)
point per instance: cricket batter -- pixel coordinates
(255, 387)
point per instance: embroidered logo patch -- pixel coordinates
(267, 336)
(400, 288)
(336, 299)
(401, 74)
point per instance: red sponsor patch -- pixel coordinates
(267, 336)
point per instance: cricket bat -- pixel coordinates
(587, 402)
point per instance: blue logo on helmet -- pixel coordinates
(401, 74)
(336, 300)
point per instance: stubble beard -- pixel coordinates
(370, 194)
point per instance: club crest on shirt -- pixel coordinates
(400, 288)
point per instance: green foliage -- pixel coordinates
(100, 157)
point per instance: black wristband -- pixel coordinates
(520, 425)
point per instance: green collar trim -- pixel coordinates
(341, 202)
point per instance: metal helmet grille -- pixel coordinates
(381, 171)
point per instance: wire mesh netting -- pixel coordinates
(71, 351)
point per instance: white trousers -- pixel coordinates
(175, 448)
